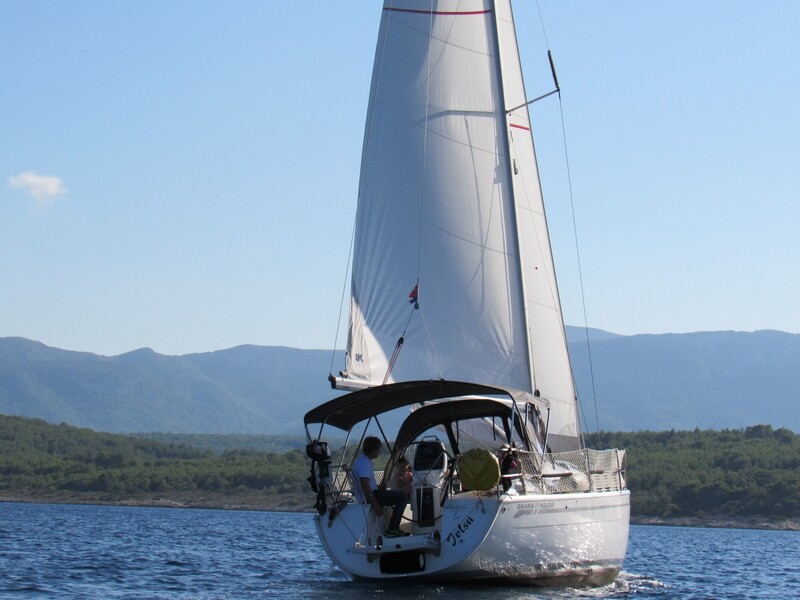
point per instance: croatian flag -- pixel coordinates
(414, 295)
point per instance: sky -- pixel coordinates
(183, 175)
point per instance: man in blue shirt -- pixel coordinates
(369, 492)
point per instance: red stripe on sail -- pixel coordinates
(519, 127)
(437, 12)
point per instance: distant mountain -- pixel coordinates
(578, 335)
(711, 380)
(671, 381)
(247, 389)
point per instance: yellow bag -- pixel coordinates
(478, 470)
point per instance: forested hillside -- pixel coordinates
(754, 471)
(220, 443)
(744, 472)
(53, 462)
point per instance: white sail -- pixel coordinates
(450, 206)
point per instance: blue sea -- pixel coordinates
(68, 551)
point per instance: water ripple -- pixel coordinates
(144, 553)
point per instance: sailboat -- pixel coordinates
(455, 327)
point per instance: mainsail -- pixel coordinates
(451, 250)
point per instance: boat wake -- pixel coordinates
(624, 586)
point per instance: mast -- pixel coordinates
(551, 370)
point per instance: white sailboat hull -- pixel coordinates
(538, 539)
(575, 539)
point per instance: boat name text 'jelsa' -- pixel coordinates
(455, 536)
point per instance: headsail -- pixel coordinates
(451, 250)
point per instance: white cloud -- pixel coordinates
(45, 189)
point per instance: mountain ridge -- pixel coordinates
(643, 381)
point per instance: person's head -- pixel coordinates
(402, 463)
(371, 446)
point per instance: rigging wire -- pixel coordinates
(344, 291)
(541, 20)
(574, 228)
(398, 347)
(580, 270)
(574, 224)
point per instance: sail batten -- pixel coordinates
(450, 201)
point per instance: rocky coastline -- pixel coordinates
(721, 521)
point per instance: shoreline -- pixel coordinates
(721, 522)
(303, 503)
(250, 501)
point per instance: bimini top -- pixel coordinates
(345, 411)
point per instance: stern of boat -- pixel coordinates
(355, 539)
